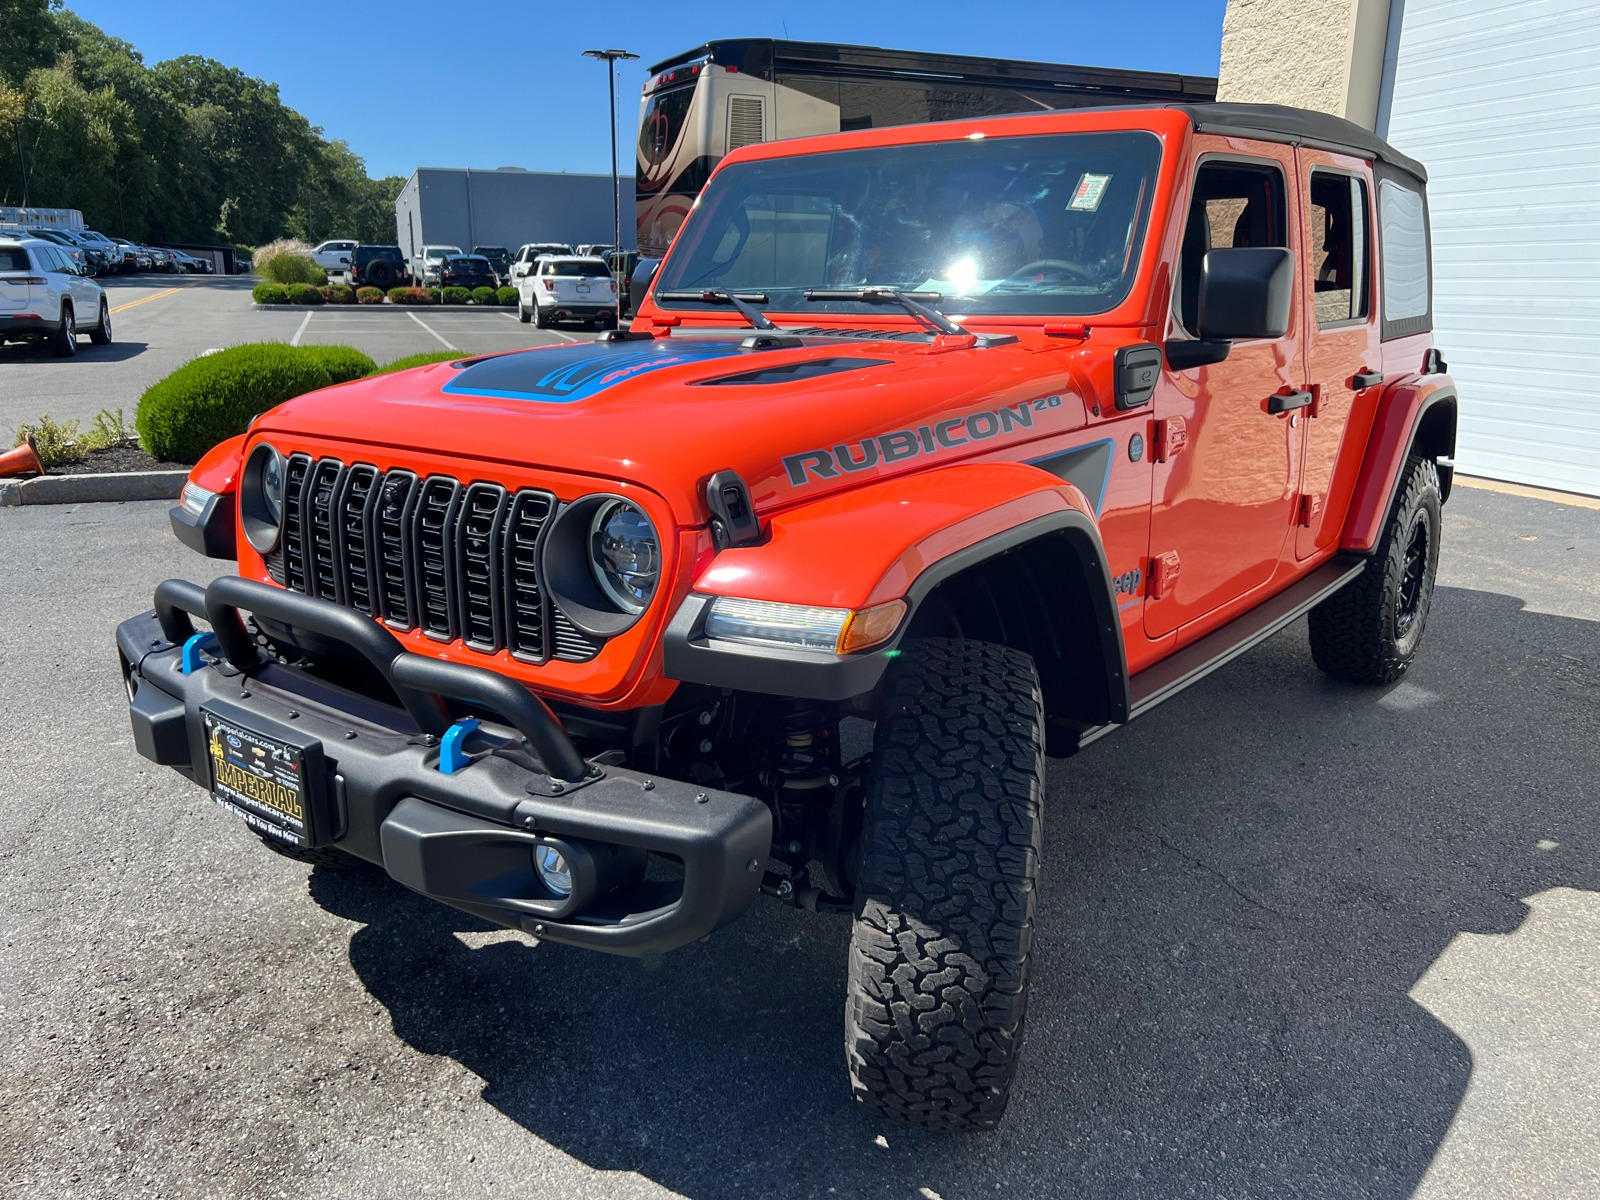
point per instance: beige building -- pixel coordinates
(1501, 102)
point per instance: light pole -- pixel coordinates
(610, 58)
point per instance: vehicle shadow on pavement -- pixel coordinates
(1239, 892)
(87, 352)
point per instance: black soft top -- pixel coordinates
(1299, 126)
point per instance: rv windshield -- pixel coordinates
(1048, 224)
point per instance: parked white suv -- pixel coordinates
(334, 256)
(426, 265)
(568, 289)
(45, 298)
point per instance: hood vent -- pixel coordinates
(796, 371)
(871, 335)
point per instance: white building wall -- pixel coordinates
(1500, 99)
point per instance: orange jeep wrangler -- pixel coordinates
(993, 434)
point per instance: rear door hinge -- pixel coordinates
(1305, 509)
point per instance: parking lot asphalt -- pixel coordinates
(160, 322)
(1296, 939)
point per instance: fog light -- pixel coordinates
(553, 870)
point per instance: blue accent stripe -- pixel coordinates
(563, 374)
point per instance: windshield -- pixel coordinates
(586, 270)
(1046, 224)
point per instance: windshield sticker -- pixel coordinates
(562, 374)
(1090, 191)
(905, 444)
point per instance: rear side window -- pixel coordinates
(14, 258)
(1405, 251)
(586, 270)
(1339, 247)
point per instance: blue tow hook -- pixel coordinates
(192, 661)
(452, 757)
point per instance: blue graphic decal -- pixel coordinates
(567, 373)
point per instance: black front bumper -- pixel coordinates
(465, 838)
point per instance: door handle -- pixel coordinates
(1365, 379)
(1286, 401)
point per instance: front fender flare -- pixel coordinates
(896, 539)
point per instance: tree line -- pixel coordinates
(186, 151)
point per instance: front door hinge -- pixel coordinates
(1315, 407)
(1171, 435)
(1305, 510)
(1163, 575)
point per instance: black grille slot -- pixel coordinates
(354, 543)
(434, 529)
(391, 546)
(525, 616)
(322, 577)
(453, 561)
(478, 555)
(571, 643)
(292, 540)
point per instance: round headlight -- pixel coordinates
(553, 870)
(625, 554)
(272, 484)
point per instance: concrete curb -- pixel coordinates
(93, 489)
(384, 307)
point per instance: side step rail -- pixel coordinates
(1194, 662)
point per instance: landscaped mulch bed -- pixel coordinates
(116, 460)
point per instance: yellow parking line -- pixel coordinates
(146, 300)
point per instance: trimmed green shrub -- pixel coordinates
(343, 363)
(269, 293)
(416, 360)
(369, 295)
(212, 398)
(288, 267)
(304, 293)
(483, 295)
(337, 294)
(413, 295)
(435, 296)
(507, 297)
(456, 295)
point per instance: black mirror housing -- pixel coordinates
(1246, 292)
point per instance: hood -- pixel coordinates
(796, 417)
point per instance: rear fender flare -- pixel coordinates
(1416, 415)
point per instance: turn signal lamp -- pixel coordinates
(803, 626)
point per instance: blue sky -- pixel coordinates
(490, 83)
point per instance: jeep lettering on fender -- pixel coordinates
(994, 433)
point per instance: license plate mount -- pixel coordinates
(271, 778)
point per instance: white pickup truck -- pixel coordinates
(334, 257)
(429, 261)
(568, 289)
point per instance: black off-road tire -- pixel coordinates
(1370, 630)
(380, 274)
(322, 856)
(943, 931)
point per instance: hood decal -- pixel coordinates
(563, 374)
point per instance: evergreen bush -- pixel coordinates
(369, 295)
(416, 360)
(483, 295)
(212, 398)
(304, 293)
(507, 297)
(269, 293)
(456, 295)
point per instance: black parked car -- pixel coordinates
(468, 271)
(499, 259)
(380, 267)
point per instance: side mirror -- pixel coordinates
(1246, 292)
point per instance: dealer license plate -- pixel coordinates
(258, 778)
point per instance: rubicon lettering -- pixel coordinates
(902, 444)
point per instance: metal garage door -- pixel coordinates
(1501, 100)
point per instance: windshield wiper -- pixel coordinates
(740, 300)
(931, 317)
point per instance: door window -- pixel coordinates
(1234, 204)
(1340, 247)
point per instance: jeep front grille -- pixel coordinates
(429, 553)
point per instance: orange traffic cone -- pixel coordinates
(22, 460)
